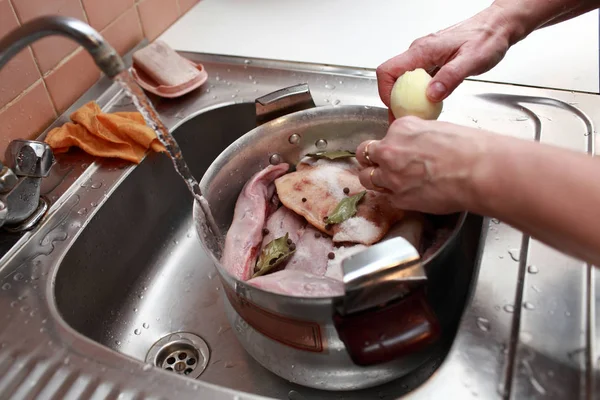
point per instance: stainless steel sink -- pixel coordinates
(112, 290)
(137, 273)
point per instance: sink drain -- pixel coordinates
(183, 353)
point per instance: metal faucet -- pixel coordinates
(28, 161)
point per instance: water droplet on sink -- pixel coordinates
(24, 308)
(321, 144)
(509, 308)
(247, 62)
(189, 235)
(532, 269)
(217, 78)
(567, 314)
(495, 221)
(250, 77)
(275, 159)
(207, 90)
(18, 276)
(536, 289)
(96, 185)
(118, 342)
(214, 97)
(329, 86)
(6, 286)
(293, 395)
(528, 306)
(14, 303)
(141, 296)
(228, 83)
(336, 102)
(147, 367)
(515, 254)
(145, 325)
(93, 204)
(483, 324)
(137, 331)
(135, 310)
(82, 211)
(294, 138)
(85, 165)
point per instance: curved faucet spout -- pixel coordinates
(105, 56)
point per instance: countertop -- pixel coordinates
(364, 34)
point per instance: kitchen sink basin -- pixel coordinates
(137, 278)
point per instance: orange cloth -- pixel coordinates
(120, 135)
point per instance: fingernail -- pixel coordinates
(436, 91)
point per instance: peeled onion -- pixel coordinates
(409, 96)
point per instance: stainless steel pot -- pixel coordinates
(318, 342)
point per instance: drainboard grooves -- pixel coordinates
(38, 379)
(6, 360)
(61, 383)
(516, 322)
(11, 381)
(91, 387)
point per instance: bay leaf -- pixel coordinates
(275, 252)
(345, 209)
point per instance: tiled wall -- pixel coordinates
(42, 81)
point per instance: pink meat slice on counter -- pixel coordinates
(311, 253)
(298, 283)
(244, 237)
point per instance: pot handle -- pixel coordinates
(282, 102)
(399, 328)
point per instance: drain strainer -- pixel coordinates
(183, 353)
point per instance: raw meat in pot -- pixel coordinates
(316, 188)
(245, 237)
(281, 222)
(298, 283)
(312, 253)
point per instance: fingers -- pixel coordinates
(389, 71)
(365, 153)
(372, 178)
(447, 79)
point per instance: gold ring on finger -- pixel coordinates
(366, 152)
(379, 188)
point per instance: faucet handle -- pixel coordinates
(30, 158)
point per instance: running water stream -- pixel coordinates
(144, 106)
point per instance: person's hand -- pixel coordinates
(469, 48)
(428, 166)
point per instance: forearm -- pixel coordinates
(525, 16)
(550, 193)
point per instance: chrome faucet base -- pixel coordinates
(30, 222)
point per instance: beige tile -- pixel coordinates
(20, 72)
(49, 51)
(27, 117)
(100, 13)
(70, 80)
(125, 32)
(185, 5)
(157, 16)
